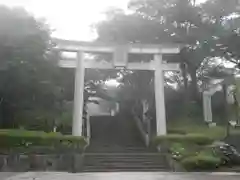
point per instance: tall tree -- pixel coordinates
(27, 63)
(203, 29)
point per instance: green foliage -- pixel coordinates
(194, 110)
(206, 31)
(15, 139)
(65, 122)
(199, 139)
(179, 150)
(36, 119)
(39, 89)
(201, 162)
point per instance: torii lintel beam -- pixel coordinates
(75, 46)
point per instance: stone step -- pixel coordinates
(155, 159)
(133, 158)
(109, 162)
(131, 146)
(125, 169)
(125, 164)
(120, 149)
(126, 158)
(122, 158)
(136, 161)
(117, 163)
(123, 154)
(115, 151)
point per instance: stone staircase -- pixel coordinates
(116, 146)
(114, 162)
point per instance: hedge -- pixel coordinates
(10, 139)
(201, 162)
(176, 131)
(184, 138)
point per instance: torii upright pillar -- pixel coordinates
(78, 96)
(159, 97)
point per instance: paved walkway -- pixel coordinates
(120, 176)
(5, 175)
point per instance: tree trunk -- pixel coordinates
(145, 107)
(226, 121)
(184, 74)
(186, 90)
(193, 85)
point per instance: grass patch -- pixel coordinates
(218, 132)
(199, 139)
(187, 126)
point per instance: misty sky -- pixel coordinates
(71, 19)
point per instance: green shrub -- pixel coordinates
(201, 162)
(12, 139)
(180, 151)
(187, 138)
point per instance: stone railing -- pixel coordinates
(86, 127)
(143, 126)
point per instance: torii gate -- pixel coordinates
(120, 60)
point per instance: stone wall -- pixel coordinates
(37, 162)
